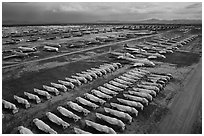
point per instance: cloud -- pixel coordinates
(195, 5)
(93, 11)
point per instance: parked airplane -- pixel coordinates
(49, 48)
(125, 56)
(27, 49)
(144, 52)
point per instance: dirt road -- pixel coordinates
(184, 109)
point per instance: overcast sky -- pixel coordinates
(91, 12)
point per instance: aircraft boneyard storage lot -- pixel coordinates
(124, 85)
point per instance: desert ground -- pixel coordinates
(177, 108)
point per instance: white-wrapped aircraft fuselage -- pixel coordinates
(22, 101)
(118, 84)
(94, 98)
(115, 88)
(68, 113)
(98, 72)
(24, 130)
(82, 79)
(131, 76)
(131, 103)
(44, 127)
(51, 89)
(101, 70)
(136, 98)
(55, 119)
(141, 94)
(137, 74)
(148, 87)
(78, 108)
(122, 81)
(151, 92)
(11, 106)
(152, 84)
(100, 94)
(79, 131)
(74, 81)
(107, 91)
(43, 93)
(127, 79)
(107, 69)
(125, 108)
(119, 114)
(59, 86)
(93, 74)
(66, 83)
(87, 76)
(86, 102)
(33, 97)
(99, 127)
(110, 120)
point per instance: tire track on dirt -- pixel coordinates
(183, 110)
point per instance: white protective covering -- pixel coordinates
(131, 103)
(51, 89)
(110, 120)
(136, 98)
(32, 97)
(59, 86)
(43, 93)
(66, 83)
(86, 102)
(163, 76)
(55, 119)
(115, 88)
(9, 105)
(107, 91)
(74, 81)
(127, 79)
(125, 108)
(151, 92)
(131, 76)
(95, 71)
(103, 71)
(68, 113)
(94, 98)
(148, 87)
(141, 94)
(99, 127)
(80, 131)
(82, 79)
(152, 84)
(118, 84)
(122, 81)
(22, 101)
(24, 130)
(100, 94)
(158, 78)
(136, 73)
(87, 76)
(44, 127)
(93, 74)
(119, 114)
(78, 108)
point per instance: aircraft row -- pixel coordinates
(146, 86)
